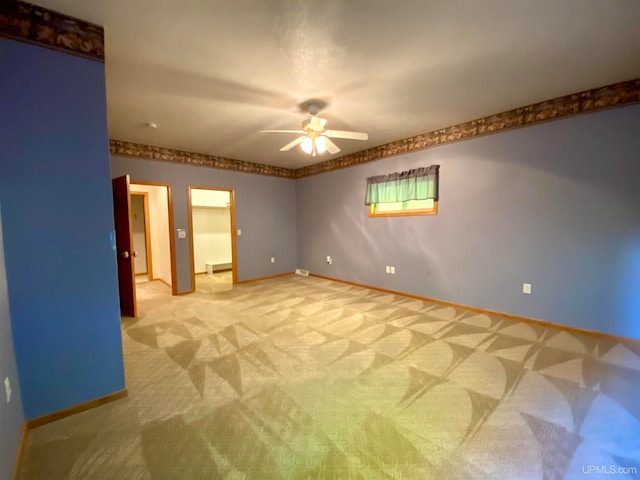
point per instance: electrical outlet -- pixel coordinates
(273, 259)
(526, 288)
(387, 269)
(7, 388)
(393, 270)
(329, 259)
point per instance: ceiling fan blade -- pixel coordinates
(290, 145)
(281, 131)
(346, 134)
(331, 147)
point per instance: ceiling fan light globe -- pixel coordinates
(321, 146)
(307, 145)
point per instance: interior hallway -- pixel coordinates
(305, 378)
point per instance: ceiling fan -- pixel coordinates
(314, 139)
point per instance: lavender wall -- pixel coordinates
(556, 205)
(11, 414)
(265, 212)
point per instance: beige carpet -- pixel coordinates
(303, 378)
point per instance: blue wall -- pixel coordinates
(11, 414)
(556, 205)
(265, 212)
(57, 216)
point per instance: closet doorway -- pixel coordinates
(211, 231)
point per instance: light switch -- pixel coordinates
(182, 233)
(239, 232)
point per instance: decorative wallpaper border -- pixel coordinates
(40, 26)
(128, 149)
(616, 95)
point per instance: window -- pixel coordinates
(413, 192)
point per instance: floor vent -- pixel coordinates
(304, 273)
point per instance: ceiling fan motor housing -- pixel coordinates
(314, 124)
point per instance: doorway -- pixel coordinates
(151, 223)
(140, 230)
(151, 231)
(213, 243)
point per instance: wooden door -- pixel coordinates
(124, 246)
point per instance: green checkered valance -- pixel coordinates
(416, 184)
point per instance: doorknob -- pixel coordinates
(135, 254)
(125, 254)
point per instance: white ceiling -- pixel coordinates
(211, 74)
